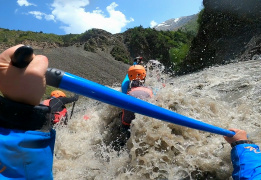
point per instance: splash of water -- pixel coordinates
(226, 96)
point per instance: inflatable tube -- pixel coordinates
(73, 83)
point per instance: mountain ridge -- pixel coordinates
(175, 23)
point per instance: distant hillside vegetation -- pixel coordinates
(11, 37)
(169, 47)
(228, 31)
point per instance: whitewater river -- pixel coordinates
(226, 96)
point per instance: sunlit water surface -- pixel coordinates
(227, 96)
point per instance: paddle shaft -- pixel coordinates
(72, 109)
(60, 79)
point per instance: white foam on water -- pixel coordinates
(226, 96)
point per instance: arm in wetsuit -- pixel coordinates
(26, 139)
(58, 104)
(246, 159)
(66, 100)
(245, 156)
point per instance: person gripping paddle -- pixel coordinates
(26, 135)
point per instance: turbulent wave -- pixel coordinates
(225, 96)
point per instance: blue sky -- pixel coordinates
(76, 16)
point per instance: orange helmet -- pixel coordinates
(136, 72)
(58, 93)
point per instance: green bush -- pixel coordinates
(120, 54)
(177, 55)
(161, 45)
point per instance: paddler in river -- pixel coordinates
(137, 76)
(57, 102)
(126, 82)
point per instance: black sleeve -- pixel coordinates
(67, 100)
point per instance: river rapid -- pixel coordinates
(226, 96)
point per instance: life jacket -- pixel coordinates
(146, 91)
(14, 115)
(137, 92)
(58, 116)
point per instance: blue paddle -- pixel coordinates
(60, 79)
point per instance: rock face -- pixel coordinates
(229, 30)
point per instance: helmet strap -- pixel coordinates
(137, 83)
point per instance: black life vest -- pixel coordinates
(14, 115)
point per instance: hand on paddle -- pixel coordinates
(240, 135)
(25, 85)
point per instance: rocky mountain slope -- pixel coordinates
(99, 67)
